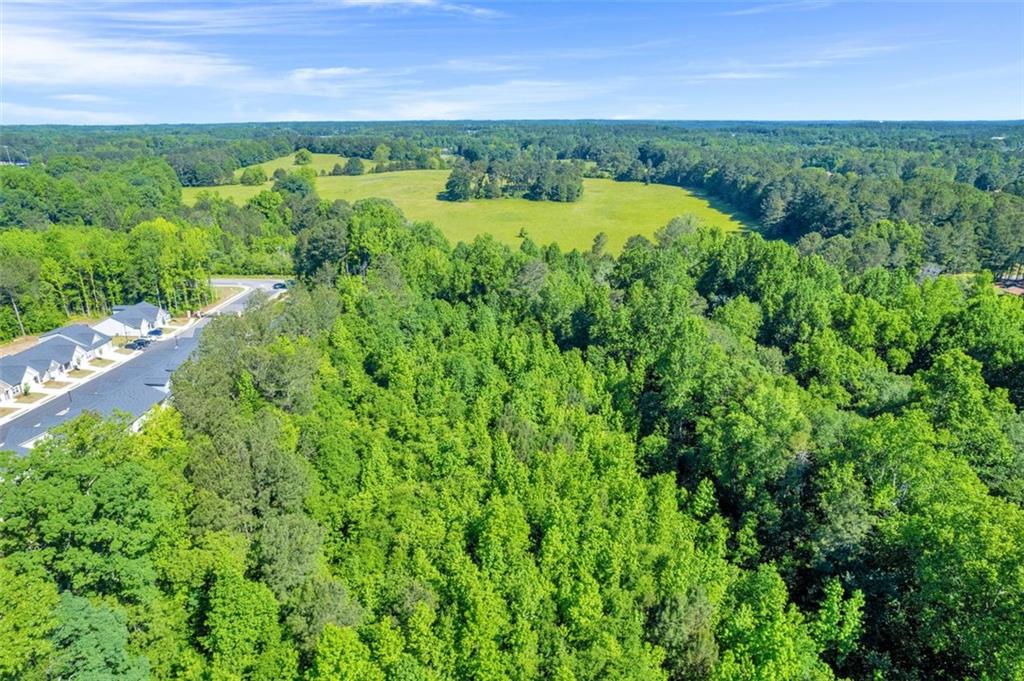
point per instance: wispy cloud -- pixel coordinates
(328, 73)
(1009, 72)
(517, 98)
(199, 20)
(431, 5)
(308, 17)
(497, 65)
(83, 98)
(843, 52)
(735, 75)
(325, 82)
(57, 57)
(767, 8)
(41, 114)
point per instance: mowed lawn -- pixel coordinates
(619, 209)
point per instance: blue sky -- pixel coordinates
(123, 61)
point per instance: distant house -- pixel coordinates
(133, 320)
(93, 343)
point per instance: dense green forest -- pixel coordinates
(960, 184)
(711, 456)
(797, 454)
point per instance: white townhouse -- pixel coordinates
(14, 378)
(93, 343)
(133, 320)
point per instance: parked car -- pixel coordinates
(156, 332)
(136, 345)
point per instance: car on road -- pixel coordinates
(156, 332)
(280, 285)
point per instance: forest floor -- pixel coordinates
(619, 209)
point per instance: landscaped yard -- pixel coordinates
(30, 398)
(6, 411)
(55, 385)
(101, 362)
(619, 209)
(82, 373)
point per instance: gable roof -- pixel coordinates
(82, 334)
(11, 372)
(131, 314)
(51, 348)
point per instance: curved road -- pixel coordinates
(133, 387)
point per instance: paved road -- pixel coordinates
(133, 387)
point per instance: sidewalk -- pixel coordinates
(117, 357)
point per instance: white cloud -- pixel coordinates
(796, 5)
(200, 20)
(329, 73)
(239, 17)
(735, 75)
(497, 65)
(54, 57)
(81, 97)
(16, 113)
(507, 99)
(434, 5)
(842, 52)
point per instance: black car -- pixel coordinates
(280, 285)
(136, 345)
(156, 332)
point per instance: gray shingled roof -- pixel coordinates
(37, 362)
(133, 314)
(83, 334)
(55, 348)
(11, 373)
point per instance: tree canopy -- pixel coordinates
(708, 457)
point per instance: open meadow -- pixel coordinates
(619, 209)
(321, 163)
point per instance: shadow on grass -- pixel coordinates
(748, 222)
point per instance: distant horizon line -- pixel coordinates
(621, 121)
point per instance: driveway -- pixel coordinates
(133, 387)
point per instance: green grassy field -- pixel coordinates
(619, 209)
(324, 162)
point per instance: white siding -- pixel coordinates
(112, 327)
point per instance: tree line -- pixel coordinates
(47, 277)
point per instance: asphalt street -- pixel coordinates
(133, 387)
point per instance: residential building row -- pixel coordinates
(69, 347)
